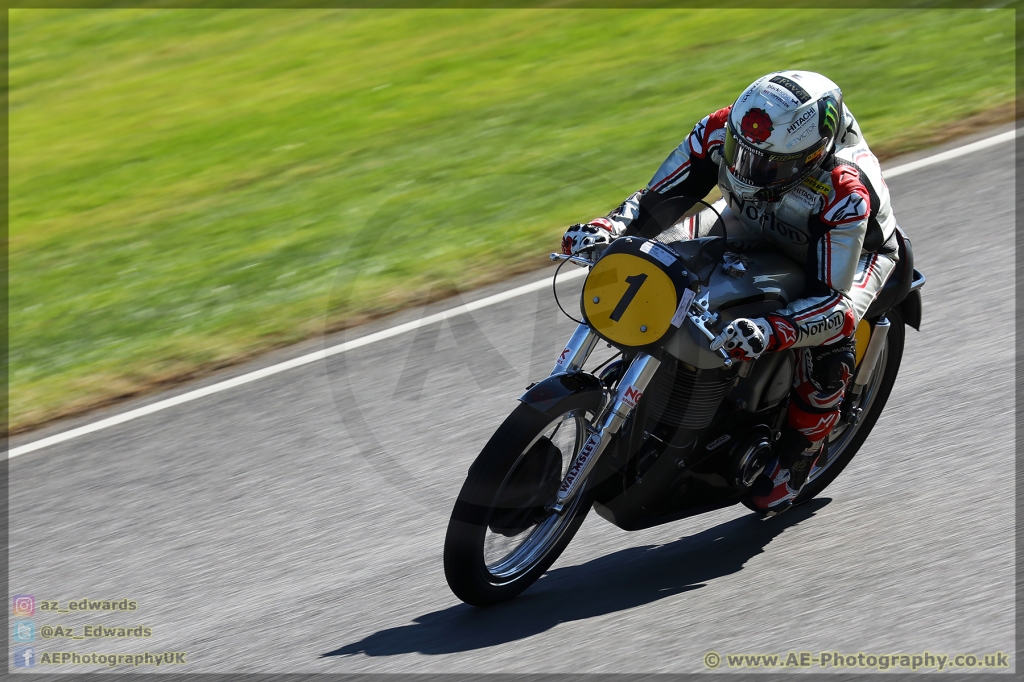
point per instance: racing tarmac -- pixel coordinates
(296, 523)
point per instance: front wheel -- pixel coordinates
(501, 538)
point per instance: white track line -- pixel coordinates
(291, 364)
(410, 326)
(951, 154)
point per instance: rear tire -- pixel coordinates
(873, 403)
(479, 579)
(843, 445)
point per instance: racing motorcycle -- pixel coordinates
(666, 428)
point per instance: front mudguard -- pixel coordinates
(561, 393)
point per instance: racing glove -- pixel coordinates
(583, 237)
(746, 339)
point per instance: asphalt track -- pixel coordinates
(295, 524)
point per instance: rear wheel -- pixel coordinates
(846, 439)
(501, 538)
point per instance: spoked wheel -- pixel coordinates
(846, 439)
(502, 537)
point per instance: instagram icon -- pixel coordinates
(24, 605)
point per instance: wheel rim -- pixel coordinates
(506, 558)
(842, 435)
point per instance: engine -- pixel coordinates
(686, 397)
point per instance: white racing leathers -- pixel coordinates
(838, 224)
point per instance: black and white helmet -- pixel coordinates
(779, 131)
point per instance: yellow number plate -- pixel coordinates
(629, 300)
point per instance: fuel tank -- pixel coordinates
(750, 284)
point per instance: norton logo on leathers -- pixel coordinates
(768, 221)
(830, 323)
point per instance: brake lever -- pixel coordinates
(575, 260)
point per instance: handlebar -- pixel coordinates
(575, 260)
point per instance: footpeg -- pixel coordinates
(854, 416)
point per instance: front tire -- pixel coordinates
(500, 539)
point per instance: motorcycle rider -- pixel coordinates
(795, 175)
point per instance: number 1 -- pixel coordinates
(635, 282)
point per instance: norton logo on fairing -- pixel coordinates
(767, 220)
(581, 461)
(804, 118)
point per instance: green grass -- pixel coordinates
(193, 186)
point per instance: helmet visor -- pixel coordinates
(761, 168)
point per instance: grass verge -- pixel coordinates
(192, 187)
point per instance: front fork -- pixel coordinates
(580, 346)
(609, 420)
(865, 371)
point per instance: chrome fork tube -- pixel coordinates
(579, 348)
(632, 386)
(871, 353)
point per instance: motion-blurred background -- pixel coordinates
(189, 188)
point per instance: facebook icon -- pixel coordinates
(24, 657)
